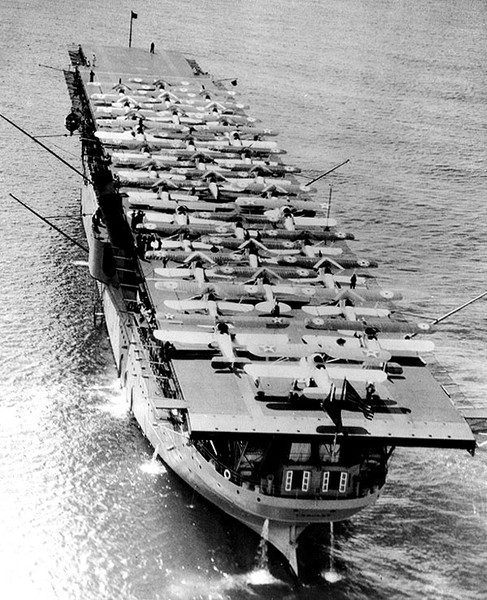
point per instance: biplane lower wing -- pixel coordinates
(357, 374)
(299, 371)
(395, 346)
(195, 305)
(334, 351)
(322, 311)
(184, 338)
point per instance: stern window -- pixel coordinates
(297, 480)
(343, 482)
(289, 481)
(300, 453)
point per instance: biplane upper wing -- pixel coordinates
(183, 305)
(185, 338)
(320, 311)
(371, 312)
(273, 371)
(357, 374)
(234, 306)
(176, 273)
(251, 339)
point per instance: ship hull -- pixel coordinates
(279, 520)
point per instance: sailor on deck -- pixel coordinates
(137, 219)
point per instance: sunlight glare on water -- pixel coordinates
(195, 587)
(154, 466)
(113, 399)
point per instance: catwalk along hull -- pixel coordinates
(246, 334)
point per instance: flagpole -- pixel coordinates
(132, 17)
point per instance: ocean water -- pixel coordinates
(399, 87)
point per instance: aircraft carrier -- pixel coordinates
(257, 352)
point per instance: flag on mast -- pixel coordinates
(333, 407)
(133, 16)
(350, 395)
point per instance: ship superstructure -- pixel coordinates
(258, 354)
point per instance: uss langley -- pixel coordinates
(258, 354)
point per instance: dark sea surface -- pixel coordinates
(400, 89)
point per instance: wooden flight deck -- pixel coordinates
(412, 410)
